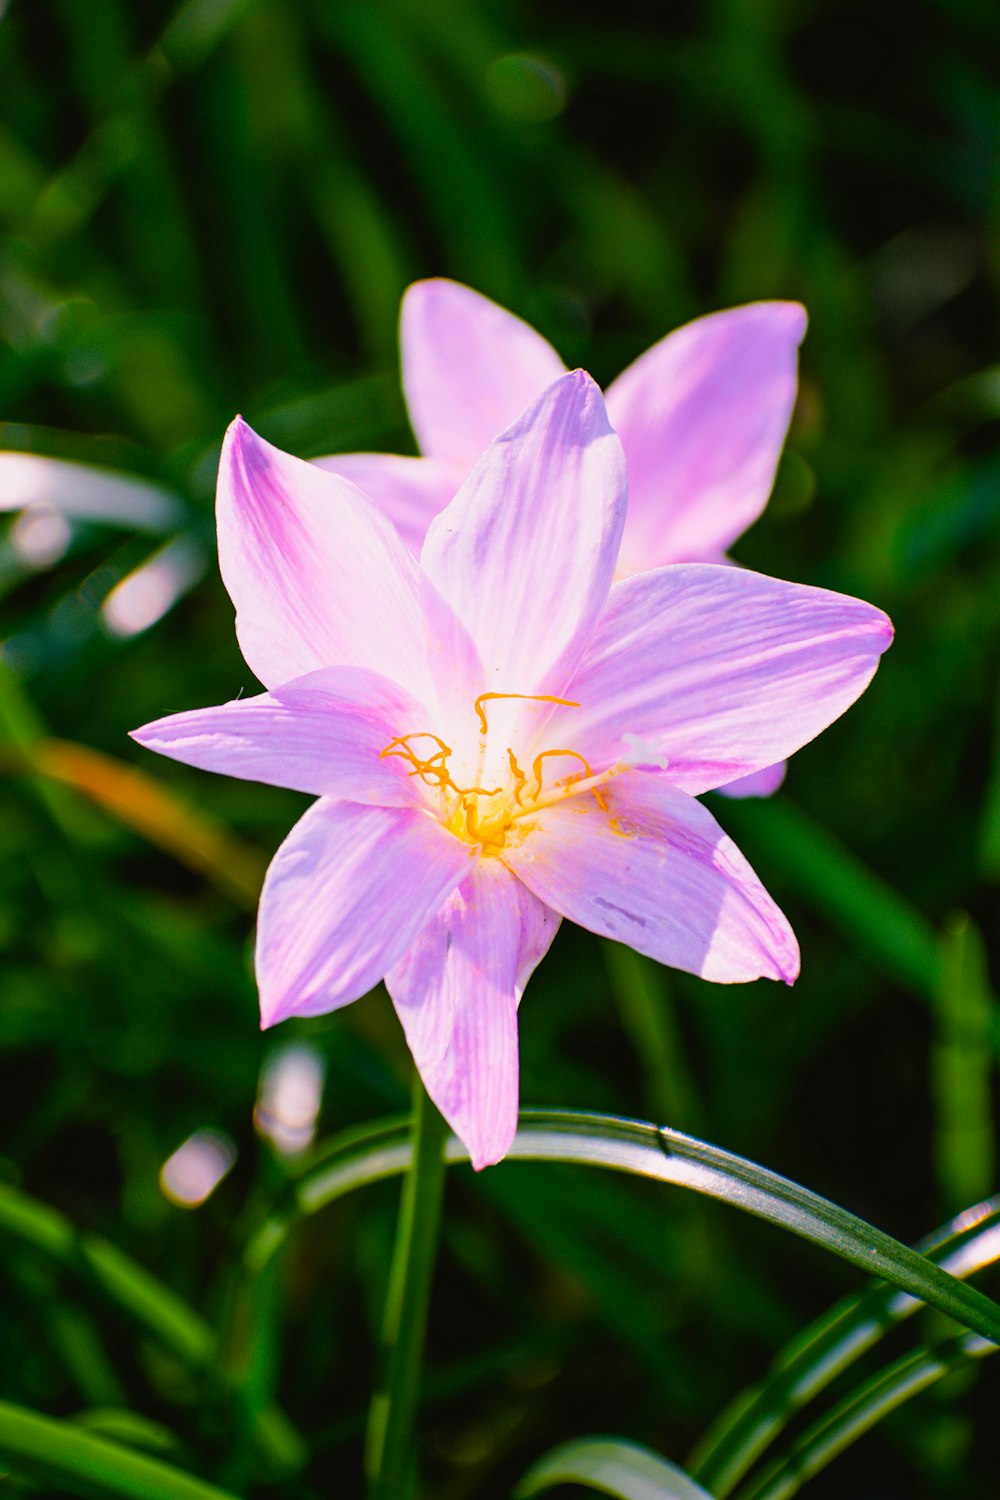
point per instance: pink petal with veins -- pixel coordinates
(702, 416)
(344, 897)
(456, 992)
(662, 877)
(469, 368)
(731, 669)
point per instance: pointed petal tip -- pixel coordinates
(790, 317)
(238, 430)
(791, 962)
(490, 1151)
(271, 1015)
(794, 316)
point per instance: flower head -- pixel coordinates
(502, 736)
(702, 417)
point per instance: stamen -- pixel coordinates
(526, 697)
(428, 767)
(406, 753)
(536, 765)
(519, 777)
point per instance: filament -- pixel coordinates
(525, 697)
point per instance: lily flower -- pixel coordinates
(702, 416)
(501, 736)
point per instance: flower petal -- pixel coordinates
(410, 491)
(456, 992)
(469, 368)
(662, 877)
(524, 555)
(323, 733)
(318, 576)
(702, 416)
(732, 670)
(758, 784)
(344, 897)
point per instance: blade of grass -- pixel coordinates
(962, 1067)
(641, 992)
(56, 1452)
(867, 910)
(827, 1347)
(650, 1151)
(152, 810)
(858, 1412)
(100, 1267)
(389, 1455)
(625, 1470)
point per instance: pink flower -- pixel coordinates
(499, 736)
(702, 416)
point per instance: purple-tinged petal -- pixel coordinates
(524, 556)
(657, 872)
(731, 670)
(702, 416)
(344, 897)
(469, 368)
(456, 992)
(410, 491)
(318, 576)
(323, 733)
(758, 784)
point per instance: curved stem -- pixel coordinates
(389, 1442)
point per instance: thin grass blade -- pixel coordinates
(857, 1413)
(58, 1453)
(667, 1156)
(100, 1267)
(625, 1470)
(816, 1356)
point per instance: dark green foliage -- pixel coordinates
(213, 207)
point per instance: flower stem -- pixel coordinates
(389, 1442)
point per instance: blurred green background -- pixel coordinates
(214, 207)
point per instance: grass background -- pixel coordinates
(214, 208)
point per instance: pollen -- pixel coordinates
(494, 817)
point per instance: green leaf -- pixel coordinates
(832, 880)
(648, 1150)
(858, 1412)
(59, 1453)
(821, 1352)
(962, 1067)
(625, 1470)
(98, 1266)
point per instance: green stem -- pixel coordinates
(389, 1444)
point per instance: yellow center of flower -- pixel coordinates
(494, 816)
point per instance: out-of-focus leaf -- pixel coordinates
(152, 810)
(124, 1426)
(58, 1453)
(360, 1157)
(641, 989)
(989, 822)
(821, 1352)
(101, 1267)
(962, 1067)
(196, 28)
(867, 910)
(625, 1470)
(82, 492)
(837, 885)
